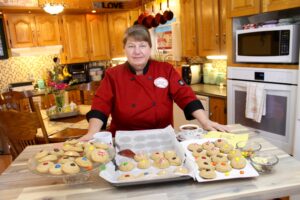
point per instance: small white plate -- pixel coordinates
(184, 135)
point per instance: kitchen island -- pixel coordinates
(17, 182)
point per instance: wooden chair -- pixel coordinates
(5, 161)
(88, 91)
(21, 128)
(13, 100)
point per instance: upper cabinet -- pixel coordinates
(242, 8)
(211, 27)
(47, 30)
(238, 8)
(75, 41)
(188, 28)
(26, 30)
(97, 29)
(117, 24)
(272, 5)
(78, 4)
(134, 15)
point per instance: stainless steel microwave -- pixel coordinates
(279, 44)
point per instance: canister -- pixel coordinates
(186, 74)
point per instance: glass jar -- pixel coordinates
(206, 71)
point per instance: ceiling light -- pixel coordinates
(53, 8)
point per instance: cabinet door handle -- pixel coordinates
(194, 40)
(217, 38)
(224, 38)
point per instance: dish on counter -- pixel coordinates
(74, 161)
(263, 162)
(248, 148)
(190, 131)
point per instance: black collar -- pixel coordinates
(145, 70)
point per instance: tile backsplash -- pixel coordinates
(20, 69)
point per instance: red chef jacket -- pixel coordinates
(138, 102)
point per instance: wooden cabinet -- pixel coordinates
(179, 117)
(117, 24)
(98, 39)
(272, 5)
(238, 8)
(134, 15)
(78, 4)
(75, 41)
(242, 8)
(26, 30)
(217, 110)
(74, 96)
(188, 28)
(211, 27)
(21, 30)
(47, 30)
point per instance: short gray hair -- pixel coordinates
(139, 33)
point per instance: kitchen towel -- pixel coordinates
(255, 101)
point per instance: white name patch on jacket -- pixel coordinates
(161, 82)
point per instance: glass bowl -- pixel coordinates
(248, 148)
(263, 162)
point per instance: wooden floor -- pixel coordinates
(5, 161)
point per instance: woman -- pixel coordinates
(139, 94)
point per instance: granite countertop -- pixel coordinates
(210, 90)
(200, 89)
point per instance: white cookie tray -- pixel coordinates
(110, 175)
(249, 171)
(146, 141)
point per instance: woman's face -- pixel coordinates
(137, 53)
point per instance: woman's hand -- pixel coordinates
(94, 127)
(86, 137)
(207, 124)
(214, 126)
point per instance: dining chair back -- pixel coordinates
(13, 100)
(88, 91)
(21, 128)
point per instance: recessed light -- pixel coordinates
(94, 11)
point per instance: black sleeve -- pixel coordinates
(99, 115)
(191, 107)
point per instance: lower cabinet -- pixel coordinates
(178, 114)
(74, 96)
(218, 110)
(214, 107)
(88, 97)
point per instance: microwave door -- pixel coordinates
(259, 44)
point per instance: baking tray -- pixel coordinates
(147, 141)
(63, 115)
(248, 170)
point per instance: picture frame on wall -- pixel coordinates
(3, 46)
